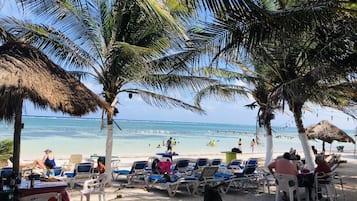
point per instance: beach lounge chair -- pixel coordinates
(216, 162)
(236, 165)
(83, 171)
(72, 161)
(241, 179)
(208, 178)
(201, 163)
(182, 166)
(173, 184)
(136, 174)
(95, 186)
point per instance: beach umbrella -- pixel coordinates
(26, 73)
(327, 132)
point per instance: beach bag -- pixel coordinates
(236, 150)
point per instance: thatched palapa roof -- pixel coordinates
(327, 132)
(26, 73)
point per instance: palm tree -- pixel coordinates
(122, 44)
(251, 25)
(258, 88)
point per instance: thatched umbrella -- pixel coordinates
(327, 132)
(26, 73)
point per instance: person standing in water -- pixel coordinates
(252, 144)
(240, 144)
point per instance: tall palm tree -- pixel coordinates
(122, 44)
(258, 87)
(251, 24)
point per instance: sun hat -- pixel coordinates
(48, 150)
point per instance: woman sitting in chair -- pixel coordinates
(322, 165)
(100, 166)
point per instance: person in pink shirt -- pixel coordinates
(164, 166)
(283, 165)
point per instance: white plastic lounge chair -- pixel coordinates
(72, 161)
(201, 163)
(208, 178)
(182, 166)
(173, 184)
(95, 186)
(241, 179)
(83, 171)
(216, 162)
(137, 172)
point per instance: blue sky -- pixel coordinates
(219, 112)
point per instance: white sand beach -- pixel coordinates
(345, 170)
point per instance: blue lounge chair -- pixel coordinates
(82, 171)
(216, 162)
(172, 184)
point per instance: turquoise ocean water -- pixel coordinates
(66, 136)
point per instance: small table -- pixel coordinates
(43, 187)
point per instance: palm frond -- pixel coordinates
(51, 41)
(162, 101)
(158, 13)
(172, 81)
(221, 92)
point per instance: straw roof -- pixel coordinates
(26, 73)
(327, 132)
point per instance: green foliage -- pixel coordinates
(6, 149)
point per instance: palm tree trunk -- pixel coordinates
(17, 137)
(303, 138)
(109, 145)
(269, 147)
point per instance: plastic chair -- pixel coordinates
(325, 185)
(82, 172)
(95, 186)
(286, 183)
